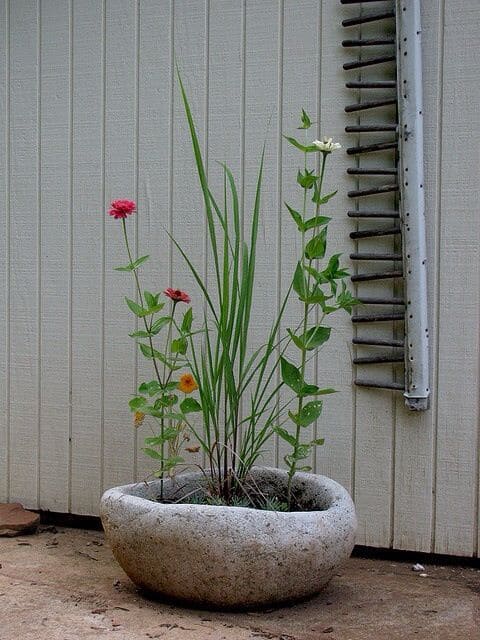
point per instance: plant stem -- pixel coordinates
(306, 310)
(140, 297)
(147, 328)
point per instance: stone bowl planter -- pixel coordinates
(230, 557)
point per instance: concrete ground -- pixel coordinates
(64, 584)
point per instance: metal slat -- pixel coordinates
(380, 275)
(383, 359)
(377, 84)
(370, 148)
(358, 1)
(379, 317)
(397, 386)
(370, 128)
(378, 342)
(389, 301)
(375, 233)
(359, 193)
(369, 62)
(394, 257)
(370, 42)
(373, 214)
(358, 171)
(372, 17)
(374, 104)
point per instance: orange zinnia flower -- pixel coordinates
(187, 383)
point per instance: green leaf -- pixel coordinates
(140, 334)
(315, 337)
(174, 416)
(148, 352)
(318, 442)
(323, 392)
(296, 340)
(319, 199)
(167, 400)
(317, 221)
(301, 452)
(179, 345)
(170, 386)
(319, 277)
(187, 321)
(306, 122)
(317, 246)
(309, 390)
(151, 411)
(133, 265)
(306, 149)
(345, 300)
(168, 434)
(137, 403)
(134, 307)
(169, 464)
(296, 217)
(283, 433)
(316, 296)
(155, 309)
(152, 453)
(299, 281)
(150, 299)
(306, 180)
(309, 413)
(190, 405)
(291, 376)
(158, 325)
(151, 388)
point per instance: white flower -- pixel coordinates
(327, 145)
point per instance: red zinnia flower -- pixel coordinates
(122, 208)
(177, 296)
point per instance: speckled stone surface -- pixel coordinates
(230, 557)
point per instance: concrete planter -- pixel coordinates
(230, 557)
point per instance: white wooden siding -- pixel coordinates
(91, 111)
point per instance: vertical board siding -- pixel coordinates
(456, 524)
(24, 253)
(55, 259)
(301, 79)
(153, 157)
(91, 111)
(4, 249)
(120, 180)
(262, 92)
(333, 364)
(88, 225)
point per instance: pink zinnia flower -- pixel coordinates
(122, 208)
(177, 296)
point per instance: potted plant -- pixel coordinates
(233, 534)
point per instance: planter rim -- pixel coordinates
(135, 493)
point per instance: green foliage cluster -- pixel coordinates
(238, 390)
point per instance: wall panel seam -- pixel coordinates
(39, 243)
(8, 234)
(281, 20)
(438, 160)
(103, 258)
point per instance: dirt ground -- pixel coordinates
(63, 584)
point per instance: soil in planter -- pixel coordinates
(250, 498)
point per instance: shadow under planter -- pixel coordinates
(230, 557)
